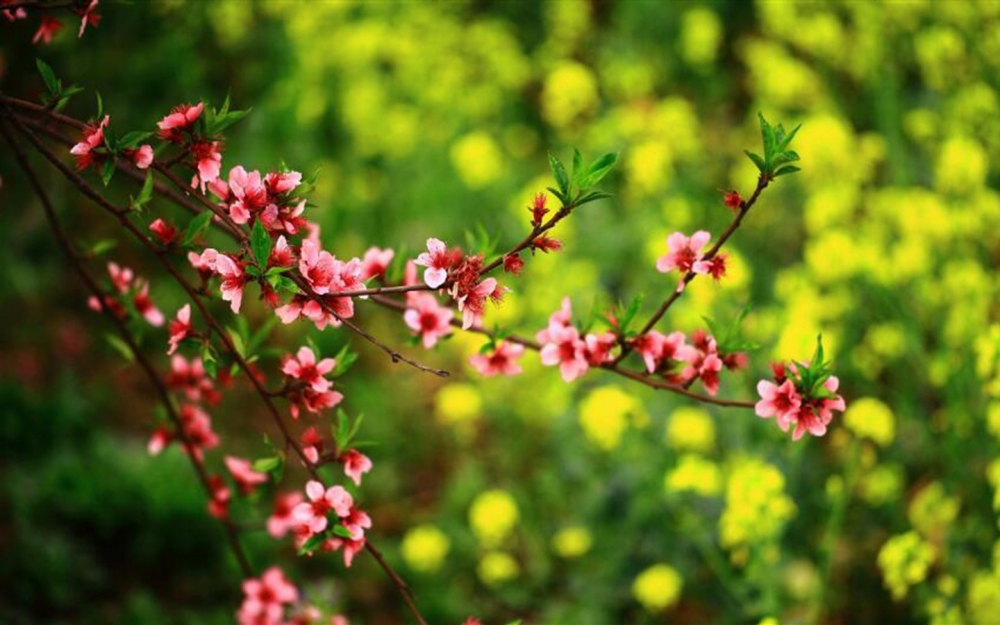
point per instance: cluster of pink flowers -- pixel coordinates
(49, 25)
(499, 358)
(687, 255)
(197, 428)
(272, 599)
(563, 345)
(469, 291)
(93, 149)
(181, 127)
(313, 390)
(792, 401)
(313, 516)
(248, 196)
(125, 282)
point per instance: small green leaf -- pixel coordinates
(120, 346)
(229, 119)
(266, 465)
(341, 531)
(577, 167)
(100, 106)
(787, 169)
(559, 172)
(260, 243)
(593, 196)
(103, 246)
(145, 194)
(563, 200)
(345, 358)
(630, 312)
(196, 226)
(312, 544)
(787, 139)
(767, 134)
(108, 170)
(757, 160)
(49, 77)
(238, 344)
(598, 170)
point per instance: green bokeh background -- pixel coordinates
(428, 119)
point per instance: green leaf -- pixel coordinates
(598, 170)
(787, 140)
(757, 160)
(229, 119)
(120, 346)
(266, 465)
(593, 196)
(787, 169)
(49, 77)
(108, 170)
(238, 343)
(345, 359)
(133, 139)
(103, 246)
(630, 313)
(260, 243)
(312, 544)
(577, 167)
(564, 200)
(145, 194)
(559, 172)
(767, 134)
(100, 106)
(340, 530)
(196, 226)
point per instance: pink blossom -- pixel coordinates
(47, 29)
(355, 465)
(233, 280)
(93, 138)
(208, 162)
(782, 401)
(88, 17)
(501, 360)
(281, 254)
(180, 119)
(145, 307)
(471, 303)
(684, 254)
(437, 261)
(351, 548)
(281, 519)
(303, 366)
(190, 377)
(242, 471)
(313, 401)
(282, 182)
(559, 319)
(12, 15)
(180, 328)
(321, 501)
(218, 505)
(158, 441)
(312, 444)
(706, 363)
(427, 319)
(317, 266)
(121, 277)
(165, 232)
(143, 157)
(597, 348)
(265, 598)
(564, 347)
(375, 262)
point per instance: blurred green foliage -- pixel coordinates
(597, 502)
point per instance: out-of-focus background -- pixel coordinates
(592, 502)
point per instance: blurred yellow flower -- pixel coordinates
(691, 428)
(757, 508)
(870, 418)
(882, 484)
(931, 510)
(477, 159)
(493, 515)
(696, 474)
(497, 567)
(604, 415)
(962, 166)
(701, 33)
(570, 91)
(572, 542)
(458, 403)
(905, 560)
(657, 587)
(424, 548)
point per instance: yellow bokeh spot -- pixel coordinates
(690, 428)
(701, 33)
(497, 567)
(931, 510)
(657, 587)
(870, 418)
(458, 403)
(905, 560)
(572, 542)
(424, 548)
(570, 91)
(493, 515)
(961, 167)
(694, 474)
(605, 413)
(477, 159)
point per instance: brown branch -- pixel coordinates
(232, 533)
